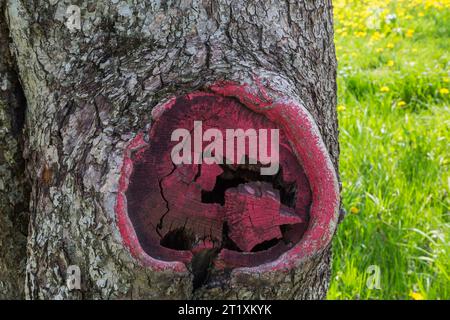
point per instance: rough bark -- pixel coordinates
(13, 186)
(90, 91)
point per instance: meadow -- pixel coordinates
(394, 118)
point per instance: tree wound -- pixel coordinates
(181, 212)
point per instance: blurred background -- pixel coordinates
(394, 117)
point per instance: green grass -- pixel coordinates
(394, 161)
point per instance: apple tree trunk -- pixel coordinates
(80, 80)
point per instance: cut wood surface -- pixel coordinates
(179, 210)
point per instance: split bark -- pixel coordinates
(89, 91)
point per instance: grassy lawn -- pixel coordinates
(394, 117)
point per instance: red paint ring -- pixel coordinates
(308, 146)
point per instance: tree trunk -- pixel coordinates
(14, 191)
(94, 93)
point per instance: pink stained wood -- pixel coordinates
(164, 201)
(254, 214)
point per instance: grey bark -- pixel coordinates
(89, 91)
(14, 190)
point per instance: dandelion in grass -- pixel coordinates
(443, 91)
(385, 89)
(390, 63)
(416, 295)
(354, 210)
(409, 33)
(340, 108)
(401, 104)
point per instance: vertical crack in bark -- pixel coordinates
(201, 267)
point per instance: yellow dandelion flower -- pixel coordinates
(421, 14)
(401, 104)
(354, 210)
(379, 50)
(409, 33)
(446, 79)
(390, 45)
(385, 89)
(443, 91)
(340, 108)
(390, 63)
(376, 36)
(416, 295)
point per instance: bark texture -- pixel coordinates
(13, 186)
(90, 91)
